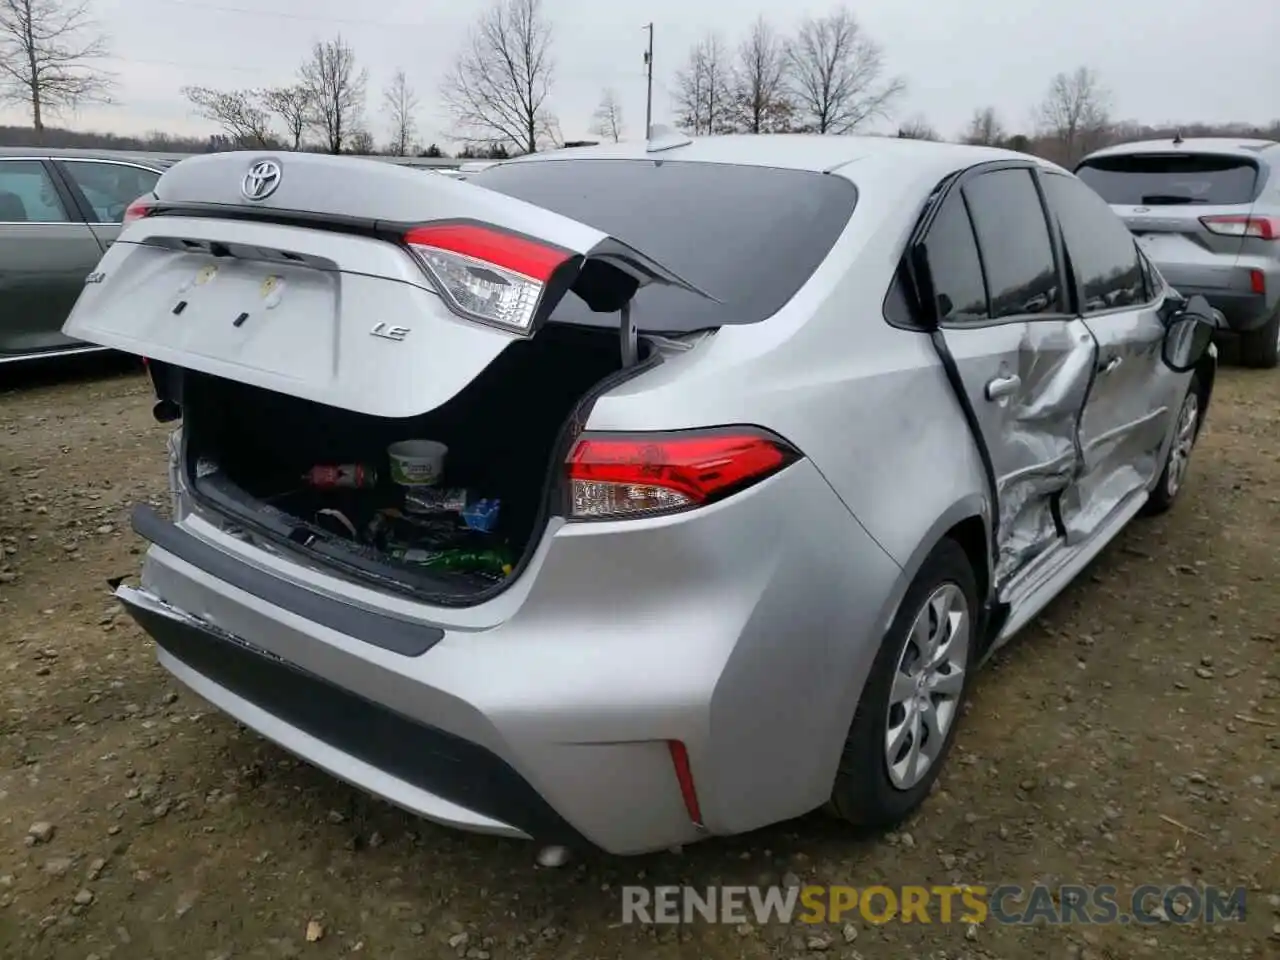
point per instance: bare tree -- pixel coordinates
(48, 54)
(761, 101)
(918, 128)
(360, 142)
(1075, 111)
(336, 90)
(837, 74)
(237, 112)
(607, 120)
(497, 90)
(293, 106)
(402, 104)
(704, 89)
(985, 128)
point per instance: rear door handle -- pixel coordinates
(1002, 386)
(1110, 365)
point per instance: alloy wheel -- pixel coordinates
(1184, 439)
(924, 701)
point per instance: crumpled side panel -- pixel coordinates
(1055, 362)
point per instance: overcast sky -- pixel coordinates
(1162, 59)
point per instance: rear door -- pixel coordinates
(1126, 416)
(46, 251)
(1164, 199)
(1025, 361)
(104, 189)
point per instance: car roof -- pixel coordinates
(1230, 146)
(157, 161)
(814, 152)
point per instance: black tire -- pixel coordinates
(1171, 479)
(1261, 348)
(863, 792)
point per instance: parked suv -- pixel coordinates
(636, 494)
(1207, 214)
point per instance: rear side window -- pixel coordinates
(1103, 254)
(954, 265)
(1013, 236)
(749, 236)
(1155, 180)
(110, 187)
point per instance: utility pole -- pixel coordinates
(648, 104)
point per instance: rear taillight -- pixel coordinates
(144, 206)
(1259, 228)
(616, 476)
(487, 274)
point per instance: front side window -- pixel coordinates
(1008, 218)
(27, 195)
(1103, 254)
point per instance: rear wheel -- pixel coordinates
(1261, 347)
(1178, 459)
(906, 720)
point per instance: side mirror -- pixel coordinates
(1189, 335)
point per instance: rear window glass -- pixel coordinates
(1164, 180)
(749, 236)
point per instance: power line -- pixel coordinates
(187, 65)
(252, 12)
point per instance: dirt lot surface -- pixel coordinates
(1131, 736)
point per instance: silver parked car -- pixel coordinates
(1206, 211)
(641, 493)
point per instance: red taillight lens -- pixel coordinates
(487, 274)
(635, 475)
(1259, 228)
(142, 207)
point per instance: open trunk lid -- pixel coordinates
(339, 280)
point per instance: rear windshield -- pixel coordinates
(1165, 180)
(749, 236)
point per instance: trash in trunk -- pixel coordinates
(335, 521)
(482, 515)
(435, 500)
(417, 463)
(342, 476)
(490, 561)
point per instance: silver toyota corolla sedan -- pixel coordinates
(635, 494)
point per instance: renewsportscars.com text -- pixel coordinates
(1002, 904)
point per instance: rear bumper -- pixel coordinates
(744, 630)
(415, 765)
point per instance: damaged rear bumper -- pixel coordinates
(415, 766)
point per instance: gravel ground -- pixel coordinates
(1131, 736)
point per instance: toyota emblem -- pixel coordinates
(261, 180)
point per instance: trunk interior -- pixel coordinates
(247, 452)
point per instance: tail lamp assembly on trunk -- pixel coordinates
(491, 276)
